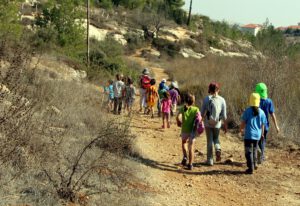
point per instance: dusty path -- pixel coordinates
(276, 182)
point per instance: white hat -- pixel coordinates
(146, 71)
(174, 84)
(164, 80)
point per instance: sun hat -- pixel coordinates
(146, 71)
(174, 84)
(262, 90)
(254, 100)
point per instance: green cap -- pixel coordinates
(262, 90)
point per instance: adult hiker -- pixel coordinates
(187, 118)
(118, 87)
(214, 112)
(253, 121)
(266, 104)
(144, 84)
(162, 88)
(175, 96)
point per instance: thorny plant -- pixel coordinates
(16, 111)
(69, 179)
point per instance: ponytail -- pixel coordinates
(185, 108)
(255, 111)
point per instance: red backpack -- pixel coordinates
(145, 81)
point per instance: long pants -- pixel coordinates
(262, 144)
(118, 105)
(212, 136)
(143, 102)
(251, 153)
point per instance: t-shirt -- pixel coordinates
(223, 114)
(166, 105)
(174, 95)
(118, 86)
(151, 95)
(111, 91)
(130, 92)
(162, 85)
(253, 123)
(188, 118)
(161, 93)
(267, 106)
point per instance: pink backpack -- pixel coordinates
(198, 124)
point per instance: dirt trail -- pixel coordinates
(276, 182)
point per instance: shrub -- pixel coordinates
(238, 77)
(134, 41)
(170, 48)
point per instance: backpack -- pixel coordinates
(213, 111)
(198, 124)
(145, 82)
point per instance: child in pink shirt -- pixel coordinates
(166, 105)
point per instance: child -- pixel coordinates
(118, 87)
(175, 97)
(161, 90)
(152, 96)
(189, 114)
(110, 91)
(166, 104)
(253, 121)
(267, 106)
(130, 93)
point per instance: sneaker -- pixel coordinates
(209, 163)
(190, 167)
(184, 161)
(249, 171)
(218, 156)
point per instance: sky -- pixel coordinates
(279, 12)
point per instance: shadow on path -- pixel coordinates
(181, 170)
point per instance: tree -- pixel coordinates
(63, 17)
(9, 20)
(190, 13)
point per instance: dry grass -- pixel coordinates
(238, 77)
(59, 146)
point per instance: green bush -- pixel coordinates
(134, 41)
(170, 48)
(60, 16)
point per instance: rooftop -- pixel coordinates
(252, 26)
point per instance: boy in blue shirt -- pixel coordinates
(253, 121)
(267, 106)
(110, 92)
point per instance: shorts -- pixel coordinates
(174, 108)
(190, 136)
(129, 101)
(151, 104)
(110, 100)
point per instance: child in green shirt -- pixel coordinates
(186, 120)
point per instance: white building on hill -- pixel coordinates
(251, 28)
